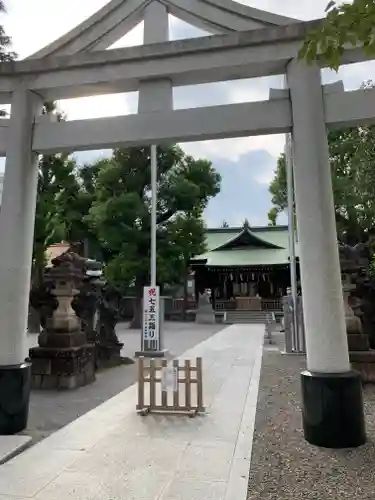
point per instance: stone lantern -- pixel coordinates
(97, 304)
(64, 359)
(362, 358)
(86, 302)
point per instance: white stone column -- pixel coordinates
(326, 341)
(17, 217)
(332, 404)
(155, 95)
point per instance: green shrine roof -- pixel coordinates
(246, 247)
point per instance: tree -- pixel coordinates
(81, 196)
(278, 189)
(272, 216)
(345, 23)
(57, 187)
(6, 54)
(224, 224)
(183, 238)
(121, 214)
(65, 195)
(352, 156)
(56, 179)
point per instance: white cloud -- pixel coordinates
(297, 9)
(233, 149)
(96, 107)
(33, 25)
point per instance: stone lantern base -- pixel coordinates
(364, 363)
(62, 368)
(361, 356)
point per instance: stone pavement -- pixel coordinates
(10, 446)
(111, 453)
(51, 410)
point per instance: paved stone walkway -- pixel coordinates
(52, 410)
(111, 453)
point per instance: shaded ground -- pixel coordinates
(51, 410)
(284, 466)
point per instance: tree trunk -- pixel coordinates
(136, 322)
(33, 323)
(186, 299)
(86, 248)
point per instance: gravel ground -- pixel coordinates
(284, 466)
(51, 410)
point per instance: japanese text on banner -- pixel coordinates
(151, 313)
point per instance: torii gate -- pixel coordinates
(247, 43)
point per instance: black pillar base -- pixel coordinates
(14, 398)
(333, 409)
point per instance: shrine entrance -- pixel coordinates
(248, 43)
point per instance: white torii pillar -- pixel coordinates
(155, 95)
(331, 393)
(17, 216)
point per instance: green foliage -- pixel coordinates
(120, 213)
(108, 203)
(278, 190)
(179, 239)
(65, 196)
(346, 23)
(74, 213)
(371, 268)
(56, 185)
(352, 157)
(272, 216)
(6, 54)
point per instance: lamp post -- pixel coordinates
(154, 175)
(292, 247)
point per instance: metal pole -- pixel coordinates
(291, 230)
(154, 175)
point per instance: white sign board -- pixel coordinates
(151, 313)
(169, 379)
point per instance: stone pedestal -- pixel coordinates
(62, 368)
(361, 357)
(205, 314)
(108, 354)
(364, 362)
(64, 359)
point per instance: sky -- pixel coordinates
(247, 165)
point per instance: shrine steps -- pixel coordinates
(246, 317)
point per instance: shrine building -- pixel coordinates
(246, 268)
